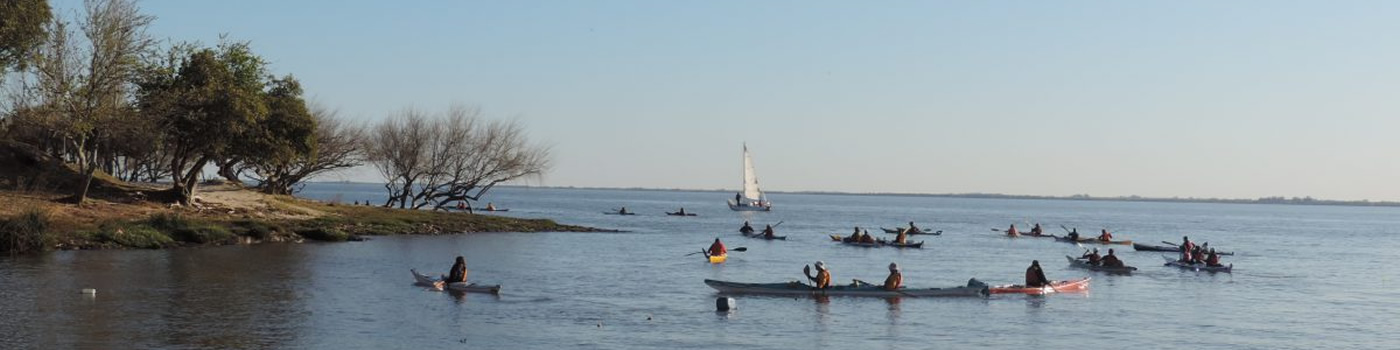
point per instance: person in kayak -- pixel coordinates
(1104, 236)
(716, 249)
(1213, 259)
(622, 211)
(490, 206)
(895, 280)
(458, 273)
(902, 237)
(768, 231)
(1111, 260)
(681, 212)
(1035, 277)
(1186, 248)
(461, 205)
(746, 229)
(855, 236)
(1037, 231)
(866, 238)
(1073, 234)
(1012, 231)
(823, 278)
(912, 228)
(1092, 257)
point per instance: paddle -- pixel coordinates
(739, 249)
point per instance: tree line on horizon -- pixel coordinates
(99, 93)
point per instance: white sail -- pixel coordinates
(750, 179)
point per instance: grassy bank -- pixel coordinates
(225, 215)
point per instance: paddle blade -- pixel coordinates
(740, 249)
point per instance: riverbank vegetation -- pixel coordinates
(110, 137)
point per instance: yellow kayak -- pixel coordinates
(715, 259)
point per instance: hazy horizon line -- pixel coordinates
(1305, 200)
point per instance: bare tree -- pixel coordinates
(398, 149)
(452, 157)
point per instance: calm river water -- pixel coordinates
(1306, 277)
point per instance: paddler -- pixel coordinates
(1186, 248)
(622, 211)
(1037, 231)
(1111, 260)
(823, 278)
(1104, 236)
(1035, 277)
(912, 228)
(768, 232)
(716, 249)
(902, 237)
(490, 206)
(681, 212)
(1012, 231)
(1073, 234)
(458, 273)
(1213, 259)
(1092, 256)
(461, 205)
(866, 238)
(746, 229)
(895, 280)
(855, 236)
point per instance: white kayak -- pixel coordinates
(427, 281)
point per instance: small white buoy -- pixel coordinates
(89, 291)
(725, 304)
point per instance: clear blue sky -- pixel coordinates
(1168, 98)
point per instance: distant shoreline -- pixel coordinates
(1078, 197)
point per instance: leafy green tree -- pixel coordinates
(21, 30)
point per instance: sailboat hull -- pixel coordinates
(736, 207)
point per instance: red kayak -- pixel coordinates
(1075, 285)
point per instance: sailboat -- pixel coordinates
(751, 199)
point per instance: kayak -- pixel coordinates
(1166, 248)
(974, 288)
(617, 213)
(489, 209)
(919, 232)
(843, 240)
(715, 259)
(1085, 265)
(426, 281)
(761, 236)
(680, 214)
(919, 244)
(1093, 241)
(1197, 267)
(1075, 285)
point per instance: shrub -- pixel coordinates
(257, 229)
(139, 236)
(25, 233)
(324, 234)
(185, 230)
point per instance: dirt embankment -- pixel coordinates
(37, 213)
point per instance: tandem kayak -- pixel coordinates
(715, 259)
(1126, 270)
(1166, 248)
(1197, 267)
(1075, 285)
(919, 232)
(843, 240)
(761, 236)
(1093, 241)
(974, 288)
(426, 281)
